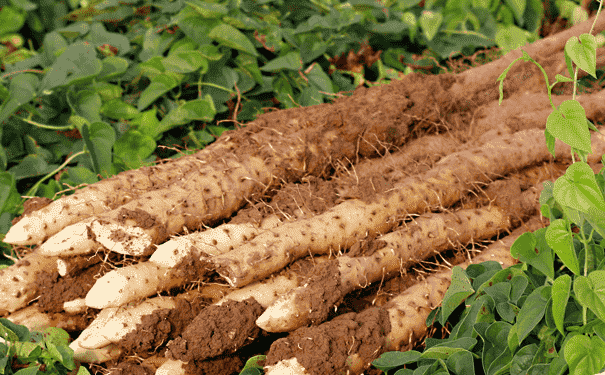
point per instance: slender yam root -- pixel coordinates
(18, 282)
(72, 240)
(346, 223)
(114, 323)
(210, 242)
(409, 310)
(427, 235)
(102, 196)
(107, 353)
(343, 345)
(131, 283)
(406, 316)
(36, 320)
(162, 272)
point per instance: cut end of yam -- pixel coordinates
(286, 367)
(27, 231)
(122, 239)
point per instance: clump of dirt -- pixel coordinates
(312, 196)
(55, 290)
(161, 326)
(324, 349)
(217, 330)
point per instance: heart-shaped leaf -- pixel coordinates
(559, 238)
(583, 52)
(568, 123)
(590, 292)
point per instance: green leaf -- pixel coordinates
(32, 166)
(7, 334)
(532, 311)
(290, 61)
(133, 147)
(526, 249)
(590, 292)
(560, 296)
(559, 238)
(523, 359)
(568, 123)
(229, 36)
(390, 360)
(99, 138)
(458, 291)
(320, 79)
(11, 19)
(585, 355)
(85, 103)
(461, 363)
(159, 86)
(208, 10)
(200, 109)
(518, 8)
(116, 109)
(77, 65)
(186, 62)
(430, 22)
(510, 37)
(98, 36)
(440, 352)
(113, 67)
(21, 91)
(583, 52)
(33, 370)
(10, 199)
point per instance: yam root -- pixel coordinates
(18, 282)
(35, 227)
(175, 263)
(346, 223)
(36, 320)
(313, 350)
(427, 235)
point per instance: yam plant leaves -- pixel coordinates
(585, 355)
(458, 291)
(558, 237)
(583, 52)
(531, 248)
(590, 292)
(560, 295)
(568, 123)
(532, 311)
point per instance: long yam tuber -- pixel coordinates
(427, 235)
(407, 315)
(340, 226)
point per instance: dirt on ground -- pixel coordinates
(357, 147)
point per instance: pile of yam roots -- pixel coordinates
(264, 233)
